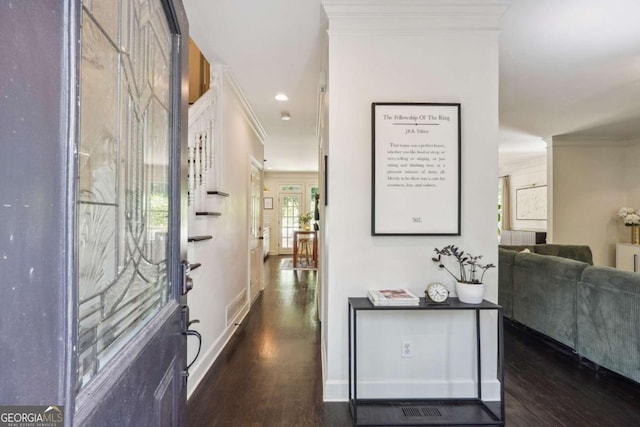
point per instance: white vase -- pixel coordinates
(470, 293)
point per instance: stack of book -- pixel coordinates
(392, 297)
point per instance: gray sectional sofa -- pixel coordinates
(555, 290)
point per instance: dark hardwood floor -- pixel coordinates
(270, 374)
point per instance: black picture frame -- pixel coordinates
(416, 177)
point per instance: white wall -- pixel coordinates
(406, 58)
(272, 181)
(224, 274)
(591, 181)
(523, 174)
(292, 152)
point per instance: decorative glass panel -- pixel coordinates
(291, 188)
(123, 220)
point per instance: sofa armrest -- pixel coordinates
(608, 312)
(544, 294)
(505, 280)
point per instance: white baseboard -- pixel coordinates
(202, 366)
(337, 390)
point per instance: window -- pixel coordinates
(123, 200)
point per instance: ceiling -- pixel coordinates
(567, 67)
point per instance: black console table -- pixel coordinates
(434, 411)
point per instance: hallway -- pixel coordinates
(270, 374)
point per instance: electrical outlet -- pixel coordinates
(407, 348)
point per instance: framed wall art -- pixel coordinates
(531, 203)
(268, 203)
(415, 157)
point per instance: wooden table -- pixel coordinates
(311, 234)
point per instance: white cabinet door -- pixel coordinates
(628, 257)
(266, 242)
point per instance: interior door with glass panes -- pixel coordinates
(131, 349)
(289, 207)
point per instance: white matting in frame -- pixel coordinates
(416, 169)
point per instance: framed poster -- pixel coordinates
(531, 203)
(268, 203)
(415, 169)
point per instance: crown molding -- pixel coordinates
(412, 17)
(576, 141)
(247, 111)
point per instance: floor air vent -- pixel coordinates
(411, 412)
(427, 411)
(431, 411)
(236, 307)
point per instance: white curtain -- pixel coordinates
(505, 218)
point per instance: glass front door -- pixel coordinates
(130, 354)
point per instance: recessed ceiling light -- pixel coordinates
(282, 97)
(285, 115)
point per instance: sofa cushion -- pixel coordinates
(544, 294)
(608, 314)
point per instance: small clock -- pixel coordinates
(436, 293)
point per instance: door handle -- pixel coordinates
(194, 333)
(186, 325)
(187, 281)
(635, 263)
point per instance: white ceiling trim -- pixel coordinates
(409, 8)
(571, 141)
(412, 16)
(247, 111)
(413, 27)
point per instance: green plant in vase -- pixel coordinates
(304, 220)
(470, 274)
